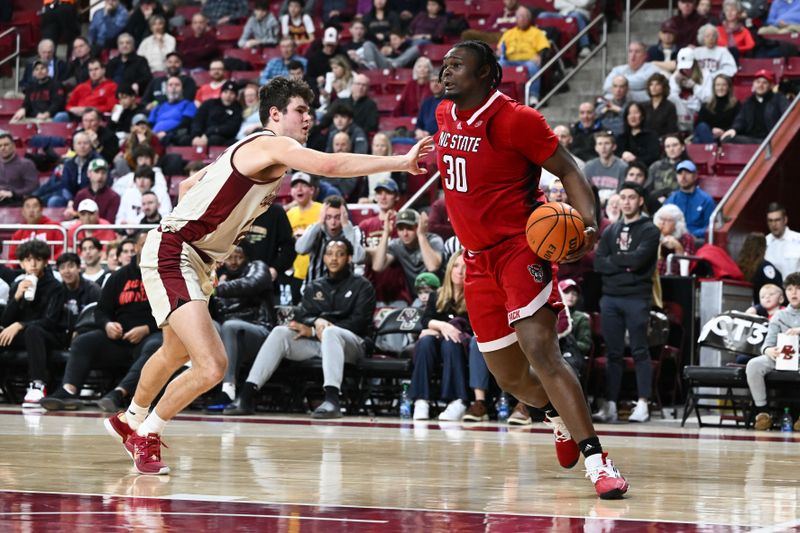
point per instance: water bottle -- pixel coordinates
(502, 408)
(786, 420)
(405, 403)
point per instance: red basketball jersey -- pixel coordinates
(490, 160)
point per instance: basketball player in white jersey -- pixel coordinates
(216, 208)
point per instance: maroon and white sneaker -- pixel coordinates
(117, 426)
(608, 482)
(566, 447)
(147, 454)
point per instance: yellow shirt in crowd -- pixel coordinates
(523, 45)
(300, 220)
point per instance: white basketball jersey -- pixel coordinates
(217, 212)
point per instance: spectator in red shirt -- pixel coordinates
(212, 89)
(99, 191)
(416, 90)
(32, 207)
(97, 92)
(200, 46)
(88, 214)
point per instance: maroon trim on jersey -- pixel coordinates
(233, 190)
(170, 250)
(248, 178)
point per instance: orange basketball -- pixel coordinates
(554, 230)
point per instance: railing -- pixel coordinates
(433, 179)
(717, 218)
(115, 227)
(13, 55)
(44, 227)
(602, 47)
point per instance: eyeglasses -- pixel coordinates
(562, 190)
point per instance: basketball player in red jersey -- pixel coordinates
(216, 209)
(490, 153)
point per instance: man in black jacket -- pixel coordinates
(271, 240)
(365, 110)
(44, 96)
(217, 121)
(27, 307)
(758, 113)
(128, 66)
(243, 304)
(626, 259)
(333, 321)
(125, 321)
(58, 328)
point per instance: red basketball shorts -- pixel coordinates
(504, 284)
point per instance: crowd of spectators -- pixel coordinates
(144, 82)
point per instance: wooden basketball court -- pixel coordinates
(63, 472)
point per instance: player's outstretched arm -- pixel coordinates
(561, 165)
(288, 152)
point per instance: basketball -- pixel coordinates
(554, 230)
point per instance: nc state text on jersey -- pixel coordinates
(464, 143)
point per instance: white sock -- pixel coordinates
(136, 414)
(230, 390)
(152, 424)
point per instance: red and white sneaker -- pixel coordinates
(566, 447)
(608, 482)
(117, 426)
(34, 395)
(147, 454)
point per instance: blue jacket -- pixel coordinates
(426, 119)
(74, 177)
(784, 10)
(167, 116)
(697, 208)
(104, 29)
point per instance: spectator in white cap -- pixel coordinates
(688, 88)
(88, 213)
(97, 190)
(320, 55)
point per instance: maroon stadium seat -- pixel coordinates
(716, 186)
(749, 66)
(9, 106)
(189, 153)
(732, 158)
(228, 34)
(251, 55)
(703, 155)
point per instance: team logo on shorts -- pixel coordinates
(268, 199)
(537, 273)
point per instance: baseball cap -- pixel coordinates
(387, 184)
(98, 164)
(685, 58)
(229, 86)
(764, 73)
(331, 36)
(669, 26)
(301, 176)
(427, 280)
(88, 205)
(685, 165)
(139, 118)
(409, 217)
(38, 62)
(568, 284)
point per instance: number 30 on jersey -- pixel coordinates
(456, 179)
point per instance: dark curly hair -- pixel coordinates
(486, 56)
(278, 92)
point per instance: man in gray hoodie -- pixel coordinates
(334, 222)
(784, 321)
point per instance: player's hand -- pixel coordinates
(411, 159)
(589, 239)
